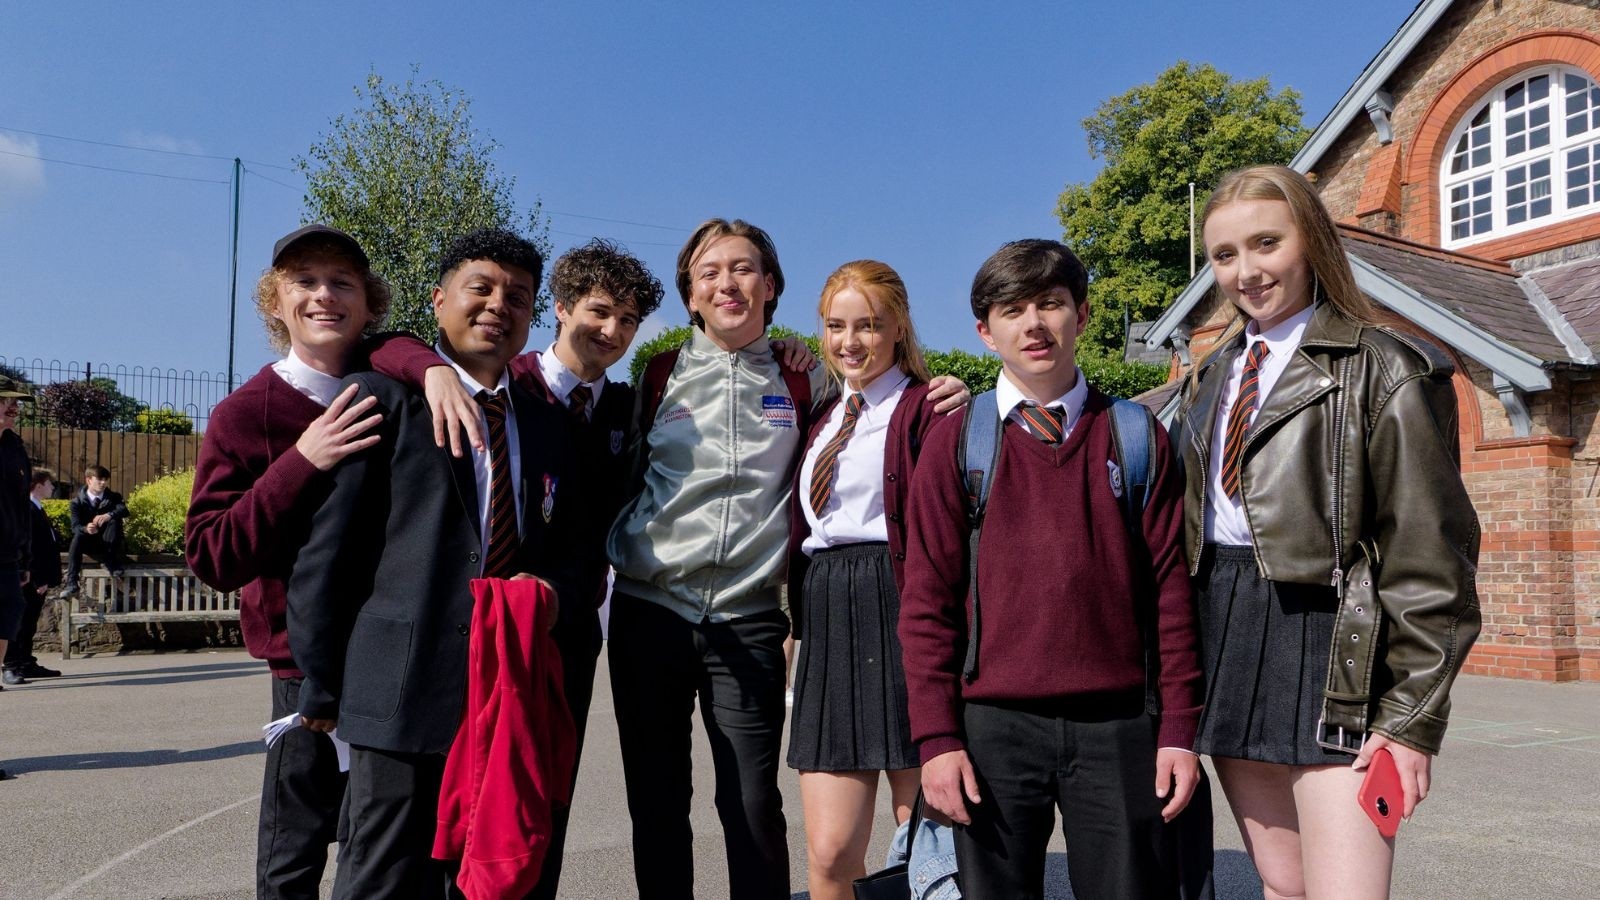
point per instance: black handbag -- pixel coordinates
(893, 883)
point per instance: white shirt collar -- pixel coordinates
(470, 383)
(881, 388)
(1284, 336)
(1009, 397)
(562, 380)
(319, 386)
(36, 502)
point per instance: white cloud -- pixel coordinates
(19, 174)
(155, 141)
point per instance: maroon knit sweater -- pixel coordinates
(1057, 574)
(254, 497)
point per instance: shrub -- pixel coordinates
(60, 515)
(1118, 378)
(675, 336)
(162, 421)
(979, 373)
(78, 404)
(156, 512)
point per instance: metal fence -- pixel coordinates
(132, 457)
(192, 393)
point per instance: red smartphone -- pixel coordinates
(1381, 795)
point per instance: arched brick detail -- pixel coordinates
(1556, 47)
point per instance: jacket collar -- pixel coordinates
(1329, 329)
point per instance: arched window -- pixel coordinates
(1528, 156)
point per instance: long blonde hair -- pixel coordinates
(887, 297)
(1332, 279)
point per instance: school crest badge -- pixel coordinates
(616, 442)
(1116, 478)
(549, 505)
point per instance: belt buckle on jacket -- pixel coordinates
(1342, 740)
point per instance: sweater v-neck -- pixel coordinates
(1058, 455)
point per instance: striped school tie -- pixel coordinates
(578, 402)
(1239, 416)
(828, 460)
(1043, 422)
(501, 557)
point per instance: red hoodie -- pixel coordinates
(511, 763)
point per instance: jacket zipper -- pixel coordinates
(1338, 476)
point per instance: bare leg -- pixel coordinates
(903, 787)
(1344, 855)
(1263, 802)
(838, 815)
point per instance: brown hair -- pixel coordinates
(1332, 278)
(318, 249)
(41, 475)
(714, 229)
(886, 295)
(603, 265)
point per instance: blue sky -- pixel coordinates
(921, 134)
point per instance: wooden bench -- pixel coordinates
(142, 595)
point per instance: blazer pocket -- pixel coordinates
(375, 666)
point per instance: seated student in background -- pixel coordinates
(602, 293)
(97, 516)
(1052, 714)
(380, 605)
(850, 722)
(44, 573)
(263, 471)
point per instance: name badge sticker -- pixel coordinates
(777, 411)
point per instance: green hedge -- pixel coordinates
(60, 513)
(162, 421)
(156, 512)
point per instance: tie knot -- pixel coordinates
(579, 399)
(1044, 422)
(493, 402)
(1258, 354)
(852, 406)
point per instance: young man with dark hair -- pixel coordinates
(44, 572)
(602, 293)
(263, 471)
(97, 516)
(380, 607)
(1079, 605)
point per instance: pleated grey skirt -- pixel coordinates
(849, 685)
(1265, 650)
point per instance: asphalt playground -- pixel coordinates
(138, 776)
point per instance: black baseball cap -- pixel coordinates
(300, 234)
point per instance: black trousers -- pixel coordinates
(19, 652)
(660, 665)
(1093, 761)
(105, 547)
(391, 812)
(579, 640)
(300, 797)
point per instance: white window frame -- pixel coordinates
(1500, 164)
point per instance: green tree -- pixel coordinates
(1130, 225)
(405, 174)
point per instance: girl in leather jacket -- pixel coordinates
(1319, 445)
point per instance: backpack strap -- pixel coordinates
(977, 455)
(652, 386)
(1133, 436)
(799, 385)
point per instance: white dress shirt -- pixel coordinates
(1225, 521)
(562, 380)
(319, 386)
(854, 513)
(1008, 397)
(480, 458)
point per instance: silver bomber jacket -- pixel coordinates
(1351, 479)
(708, 535)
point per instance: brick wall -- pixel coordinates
(1447, 70)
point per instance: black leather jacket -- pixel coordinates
(1351, 478)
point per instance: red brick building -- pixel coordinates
(1464, 165)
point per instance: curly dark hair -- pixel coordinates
(496, 245)
(603, 265)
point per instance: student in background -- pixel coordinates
(97, 516)
(850, 722)
(16, 536)
(44, 573)
(1332, 628)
